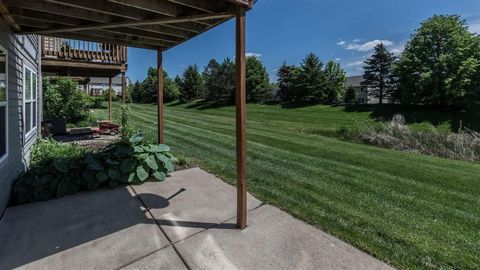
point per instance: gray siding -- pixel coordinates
(22, 51)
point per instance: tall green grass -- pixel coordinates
(410, 210)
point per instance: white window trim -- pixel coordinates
(5, 156)
(33, 130)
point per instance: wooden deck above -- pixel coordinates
(153, 24)
(69, 57)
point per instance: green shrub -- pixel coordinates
(96, 103)
(464, 145)
(62, 98)
(58, 170)
(48, 150)
(114, 95)
(127, 129)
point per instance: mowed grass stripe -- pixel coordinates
(410, 210)
(375, 184)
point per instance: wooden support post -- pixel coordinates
(123, 87)
(110, 99)
(160, 96)
(240, 94)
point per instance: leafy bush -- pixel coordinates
(48, 150)
(58, 170)
(106, 96)
(62, 98)
(127, 129)
(96, 103)
(464, 145)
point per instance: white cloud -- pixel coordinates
(338, 59)
(250, 54)
(357, 40)
(356, 64)
(341, 43)
(474, 27)
(365, 47)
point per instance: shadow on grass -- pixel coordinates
(435, 115)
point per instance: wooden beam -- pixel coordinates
(204, 6)
(160, 84)
(110, 99)
(97, 26)
(140, 34)
(159, 6)
(56, 9)
(104, 7)
(114, 9)
(165, 30)
(6, 14)
(100, 38)
(241, 115)
(118, 35)
(34, 23)
(46, 17)
(243, 3)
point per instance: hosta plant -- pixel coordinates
(122, 163)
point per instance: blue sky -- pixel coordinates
(286, 30)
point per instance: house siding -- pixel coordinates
(22, 51)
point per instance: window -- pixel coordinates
(3, 105)
(30, 101)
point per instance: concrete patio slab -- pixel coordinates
(111, 229)
(91, 230)
(190, 201)
(165, 259)
(272, 240)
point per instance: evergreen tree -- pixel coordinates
(257, 79)
(378, 72)
(149, 88)
(226, 82)
(311, 86)
(349, 95)
(287, 82)
(335, 81)
(440, 64)
(137, 92)
(192, 86)
(211, 78)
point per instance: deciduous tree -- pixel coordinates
(440, 64)
(257, 79)
(335, 82)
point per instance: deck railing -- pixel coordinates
(80, 50)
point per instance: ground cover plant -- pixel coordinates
(58, 169)
(410, 210)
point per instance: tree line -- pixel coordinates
(311, 82)
(215, 84)
(440, 65)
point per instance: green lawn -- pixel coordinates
(409, 210)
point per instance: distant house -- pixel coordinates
(364, 94)
(97, 85)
